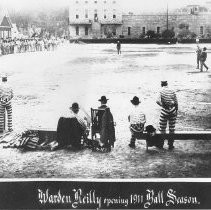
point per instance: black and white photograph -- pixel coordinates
(106, 91)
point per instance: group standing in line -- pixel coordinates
(11, 46)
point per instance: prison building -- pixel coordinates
(196, 18)
(95, 19)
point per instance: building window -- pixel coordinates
(158, 30)
(104, 2)
(86, 13)
(105, 11)
(86, 2)
(95, 15)
(187, 27)
(201, 30)
(77, 16)
(114, 14)
(129, 31)
(95, 2)
(143, 30)
(114, 2)
(114, 31)
(86, 31)
(77, 30)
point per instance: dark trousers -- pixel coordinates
(134, 136)
(203, 64)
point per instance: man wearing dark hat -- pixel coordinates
(203, 58)
(84, 121)
(6, 95)
(137, 120)
(167, 100)
(103, 100)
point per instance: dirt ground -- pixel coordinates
(47, 83)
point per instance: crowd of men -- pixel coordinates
(11, 46)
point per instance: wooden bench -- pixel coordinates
(46, 135)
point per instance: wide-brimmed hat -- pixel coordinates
(103, 98)
(75, 107)
(135, 100)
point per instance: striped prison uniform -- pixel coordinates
(8, 107)
(6, 94)
(168, 101)
(137, 120)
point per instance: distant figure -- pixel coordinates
(6, 95)
(137, 120)
(197, 41)
(203, 58)
(198, 54)
(167, 100)
(118, 46)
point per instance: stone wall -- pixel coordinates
(151, 22)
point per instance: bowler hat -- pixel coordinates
(75, 106)
(135, 100)
(103, 98)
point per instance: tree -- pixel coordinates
(151, 34)
(186, 34)
(168, 34)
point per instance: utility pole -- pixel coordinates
(167, 16)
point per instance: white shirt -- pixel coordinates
(137, 116)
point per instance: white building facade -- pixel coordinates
(95, 19)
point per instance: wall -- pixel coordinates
(151, 22)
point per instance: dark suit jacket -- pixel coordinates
(69, 132)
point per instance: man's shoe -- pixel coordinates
(132, 146)
(171, 147)
(207, 69)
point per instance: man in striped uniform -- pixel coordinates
(137, 120)
(6, 95)
(167, 100)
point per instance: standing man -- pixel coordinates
(6, 95)
(137, 120)
(203, 58)
(118, 46)
(198, 54)
(167, 100)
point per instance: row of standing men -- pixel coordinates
(11, 46)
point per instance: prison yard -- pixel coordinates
(46, 83)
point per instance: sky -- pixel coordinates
(135, 6)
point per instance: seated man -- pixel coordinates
(137, 120)
(70, 131)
